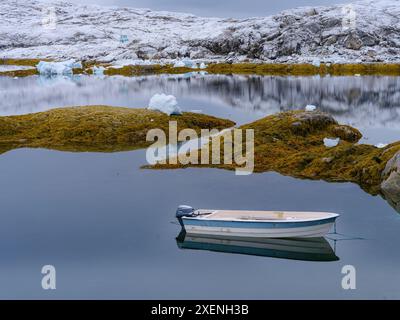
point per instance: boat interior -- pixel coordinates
(261, 215)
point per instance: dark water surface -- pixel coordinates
(108, 226)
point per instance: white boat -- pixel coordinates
(261, 224)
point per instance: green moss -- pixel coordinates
(19, 73)
(94, 128)
(277, 69)
(22, 62)
(281, 69)
(145, 70)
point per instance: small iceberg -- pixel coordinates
(203, 66)
(381, 145)
(164, 103)
(179, 64)
(58, 68)
(98, 71)
(330, 143)
(185, 63)
(316, 62)
(311, 107)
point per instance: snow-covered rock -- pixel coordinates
(330, 143)
(94, 33)
(164, 103)
(57, 68)
(310, 107)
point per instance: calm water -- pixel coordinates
(108, 226)
(372, 104)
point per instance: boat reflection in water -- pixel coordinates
(306, 249)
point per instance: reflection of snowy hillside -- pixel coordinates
(367, 102)
(366, 30)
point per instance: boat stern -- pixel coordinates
(184, 211)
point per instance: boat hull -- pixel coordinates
(304, 229)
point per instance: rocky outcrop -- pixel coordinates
(366, 31)
(391, 181)
(292, 143)
(95, 128)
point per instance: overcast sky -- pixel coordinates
(218, 8)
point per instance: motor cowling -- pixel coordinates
(184, 211)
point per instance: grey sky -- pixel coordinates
(224, 8)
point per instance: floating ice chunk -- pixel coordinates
(179, 64)
(310, 107)
(357, 75)
(57, 68)
(316, 62)
(185, 63)
(203, 66)
(329, 143)
(189, 63)
(98, 71)
(164, 103)
(381, 145)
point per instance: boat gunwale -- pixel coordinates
(330, 215)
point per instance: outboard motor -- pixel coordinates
(184, 211)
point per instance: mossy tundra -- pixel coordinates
(94, 128)
(277, 69)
